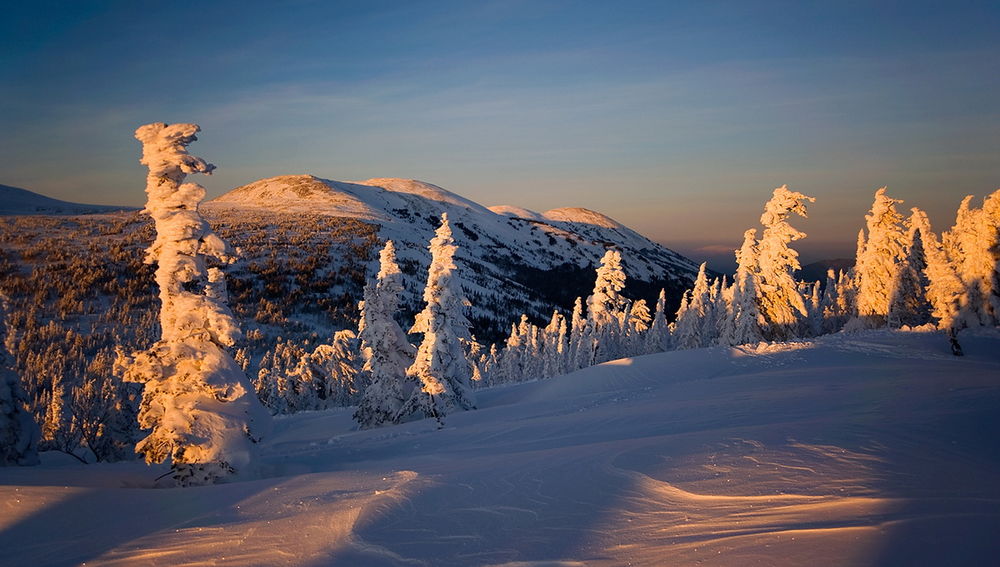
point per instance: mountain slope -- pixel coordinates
(509, 264)
(864, 450)
(16, 201)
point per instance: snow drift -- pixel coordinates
(866, 449)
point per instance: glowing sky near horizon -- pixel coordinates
(677, 119)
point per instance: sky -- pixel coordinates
(677, 119)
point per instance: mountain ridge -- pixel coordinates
(18, 201)
(503, 256)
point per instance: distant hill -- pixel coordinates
(511, 260)
(816, 271)
(16, 201)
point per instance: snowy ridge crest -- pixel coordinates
(505, 254)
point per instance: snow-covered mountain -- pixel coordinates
(16, 201)
(509, 257)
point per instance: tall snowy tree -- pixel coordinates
(743, 321)
(511, 363)
(658, 336)
(780, 302)
(441, 366)
(19, 434)
(384, 346)
(722, 304)
(554, 349)
(973, 246)
(908, 304)
(202, 410)
(531, 355)
(639, 320)
(578, 338)
(606, 308)
(876, 267)
(693, 317)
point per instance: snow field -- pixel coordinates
(864, 449)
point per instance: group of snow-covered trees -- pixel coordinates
(434, 378)
(905, 275)
(204, 415)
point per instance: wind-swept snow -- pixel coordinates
(853, 449)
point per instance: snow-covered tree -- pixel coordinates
(743, 322)
(606, 308)
(579, 355)
(19, 434)
(973, 246)
(779, 300)
(812, 325)
(104, 410)
(511, 363)
(908, 304)
(202, 410)
(722, 304)
(440, 365)
(833, 306)
(693, 317)
(944, 287)
(328, 376)
(490, 368)
(554, 349)
(384, 346)
(531, 354)
(658, 336)
(637, 327)
(876, 267)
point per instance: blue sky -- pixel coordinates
(675, 118)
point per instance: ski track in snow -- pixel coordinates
(869, 449)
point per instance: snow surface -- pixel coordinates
(876, 448)
(16, 201)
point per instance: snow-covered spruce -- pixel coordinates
(944, 287)
(606, 311)
(973, 246)
(743, 320)
(690, 329)
(19, 434)
(384, 346)
(441, 366)
(204, 415)
(909, 305)
(658, 335)
(780, 302)
(637, 328)
(878, 261)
